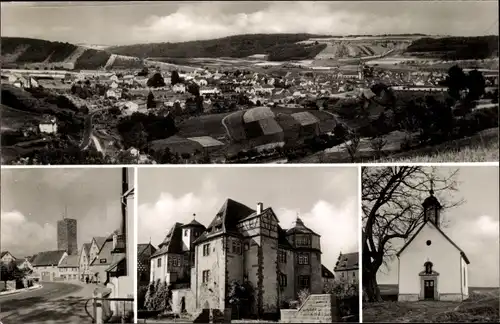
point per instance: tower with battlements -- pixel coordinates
(66, 236)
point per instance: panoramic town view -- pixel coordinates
(69, 260)
(222, 253)
(441, 263)
(248, 82)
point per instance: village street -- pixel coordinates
(54, 303)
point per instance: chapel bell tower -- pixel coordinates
(432, 208)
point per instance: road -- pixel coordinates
(53, 304)
(87, 132)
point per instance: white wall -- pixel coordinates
(446, 260)
(466, 281)
(158, 272)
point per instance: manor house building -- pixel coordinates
(243, 245)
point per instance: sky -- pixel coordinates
(326, 199)
(108, 23)
(33, 200)
(473, 226)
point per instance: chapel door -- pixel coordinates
(429, 289)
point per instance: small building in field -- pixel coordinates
(431, 265)
(49, 125)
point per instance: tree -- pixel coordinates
(352, 146)
(456, 81)
(476, 85)
(10, 272)
(340, 131)
(151, 103)
(194, 89)
(143, 72)
(377, 144)
(156, 81)
(391, 204)
(175, 78)
(239, 294)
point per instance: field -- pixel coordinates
(482, 147)
(482, 306)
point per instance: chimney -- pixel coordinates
(115, 241)
(259, 208)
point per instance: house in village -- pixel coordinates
(48, 125)
(431, 265)
(114, 94)
(69, 268)
(201, 263)
(84, 262)
(144, 253)
(45, 265)
(102, 261)
(347, 268)
(179, 88)
(6, 257)
(327, 276)
(24, 264)
(95, 247)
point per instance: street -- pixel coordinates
(55, 303)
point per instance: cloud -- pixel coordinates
(156, 219)
(337, 225)
(24, 237)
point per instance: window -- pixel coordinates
(354, 274)
(186, 232)
(303, 240)
(206, 276)
(282, 280)
(303, 258)
(236, 247)
(303, 282)
(102, 261)
(159, 262)
(343, 274)
(246, 246)
(175, 261)
(281, 256)
(206, 249)
(196, 234)
(428, 267)
(428, 242)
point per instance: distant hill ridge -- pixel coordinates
(17, 51)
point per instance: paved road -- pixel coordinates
(53, 304)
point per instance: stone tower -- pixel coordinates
(66, 236)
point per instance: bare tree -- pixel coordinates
(352, 145)
(391, 204)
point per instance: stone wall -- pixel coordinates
(189, 300)
(407, 297)
(270, 287)
(316, 278)
(212, 293)
(287, 293)
(316, 309)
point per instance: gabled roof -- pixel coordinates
(172, 242)
(104, 253)
(194, 223)
(348, 261)
(48, 258)
(70, 261)
(300, 228)
(86, 247)
(462, 253)
(326, 273)
(99, 240)
(4, 253)
(226, 219)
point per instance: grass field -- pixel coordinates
(482, 306)
(482, 147)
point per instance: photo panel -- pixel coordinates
(68, 248)
(247, 243)
(238, 82)
(430, 245)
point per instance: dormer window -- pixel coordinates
(303, 240)
(186, 232)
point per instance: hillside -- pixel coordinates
(18, 51)
(277, 46)
(455, 48)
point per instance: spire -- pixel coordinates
(194, 216)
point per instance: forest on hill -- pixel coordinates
(277, 46)
(457, 48)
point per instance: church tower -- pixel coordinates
(432, 208)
